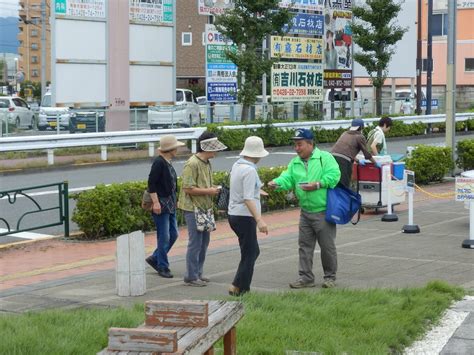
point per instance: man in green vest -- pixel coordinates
(376, 144)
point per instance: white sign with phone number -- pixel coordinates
(464, 189)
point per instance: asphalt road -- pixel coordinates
(80, 178)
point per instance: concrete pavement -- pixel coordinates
(58, 273)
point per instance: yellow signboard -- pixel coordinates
(296, 48)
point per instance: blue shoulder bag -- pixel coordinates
(342, 204)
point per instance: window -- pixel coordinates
(34, 59)
(34, 73)
(187, 39)
(469, 64)
(440, 25)
(424, 65)
(34, 46)
(34, 33)
(35, 20)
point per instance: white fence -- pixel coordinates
(15, 144)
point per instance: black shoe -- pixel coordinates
(152, 262)
(166, 273)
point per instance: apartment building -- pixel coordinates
(29, 38)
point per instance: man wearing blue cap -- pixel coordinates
(309, 175)
(349, 144)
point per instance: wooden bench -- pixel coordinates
(179, 327)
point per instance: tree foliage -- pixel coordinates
(376, 32)
(246, 25)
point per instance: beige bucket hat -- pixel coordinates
(169, 142)
(253, 148)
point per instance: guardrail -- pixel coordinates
(102, 139)
(62, 207)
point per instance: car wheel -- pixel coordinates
(152, 126)
(17, 122)
(32, 122)
(41, 128)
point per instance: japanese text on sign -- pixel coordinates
(80, 8)
(339, 4)
(306, 24)
(312, 5)
(464, 189)
(297, 82)
(151, 11)
(214, 7)
(296, 48)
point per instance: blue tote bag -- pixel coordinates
(342, 204)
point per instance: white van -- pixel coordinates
(341, 98)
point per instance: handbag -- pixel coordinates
(205, 221)
(222, 201)
(147, 202)
(342, 204)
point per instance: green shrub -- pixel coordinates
(113, 210)
(465, 154)
(430, 164)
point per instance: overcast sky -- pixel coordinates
(8, 8)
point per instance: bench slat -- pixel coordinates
(176, 313)
(134, 339)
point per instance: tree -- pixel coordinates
(246, 25)
(375, 31)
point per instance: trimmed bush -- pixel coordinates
(113, 210)
(430, 164)
(465, 154)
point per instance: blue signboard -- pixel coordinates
(434, 103)
(306, 24)
(221, 92)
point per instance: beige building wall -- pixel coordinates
(30, 40)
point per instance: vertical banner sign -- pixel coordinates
(151, 11)
(464, 189)
(306, 24)
(221, 73)
(214, 7)
(80, 8)
(297, 82)
(338, 44)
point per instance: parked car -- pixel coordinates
(49, 116)
(341, 99)
(183, 113)
(405, 101)
(87, 121)
(15, 110)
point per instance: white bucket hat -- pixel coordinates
(169, 142)
(253, 148)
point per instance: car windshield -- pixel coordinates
(179, 96)
(402, 95)
(201, 100)
(341, 96)
(46, 101)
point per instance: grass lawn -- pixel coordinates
(336, 321)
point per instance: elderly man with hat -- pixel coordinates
(162, 183)
(196, 195)
(244, 211)
(309, 175)
(349, 144)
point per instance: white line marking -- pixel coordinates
(26, 235)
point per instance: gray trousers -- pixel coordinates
(197, 248)
(313, 227)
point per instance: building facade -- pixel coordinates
(29, 38)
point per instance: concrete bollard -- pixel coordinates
(50, 153)
(130, 265)
(151, 149)
(103, 152)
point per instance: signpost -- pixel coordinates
(410, 188)
(465, 192)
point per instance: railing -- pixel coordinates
(12, 196)
(103, 139)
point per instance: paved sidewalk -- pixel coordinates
(58, 273)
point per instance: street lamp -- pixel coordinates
(16, 74)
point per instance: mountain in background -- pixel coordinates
(8, 35)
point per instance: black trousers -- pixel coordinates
(246, 230)
(346, 171)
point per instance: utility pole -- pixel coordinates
(43, 47)
(419, 62)
(429, 72)
(451, 79)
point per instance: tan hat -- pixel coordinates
(169, 142)
(253, 148)
(212, 145)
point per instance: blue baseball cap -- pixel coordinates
(303, 133)
(356, 123)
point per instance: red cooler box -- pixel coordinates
(367, 172)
